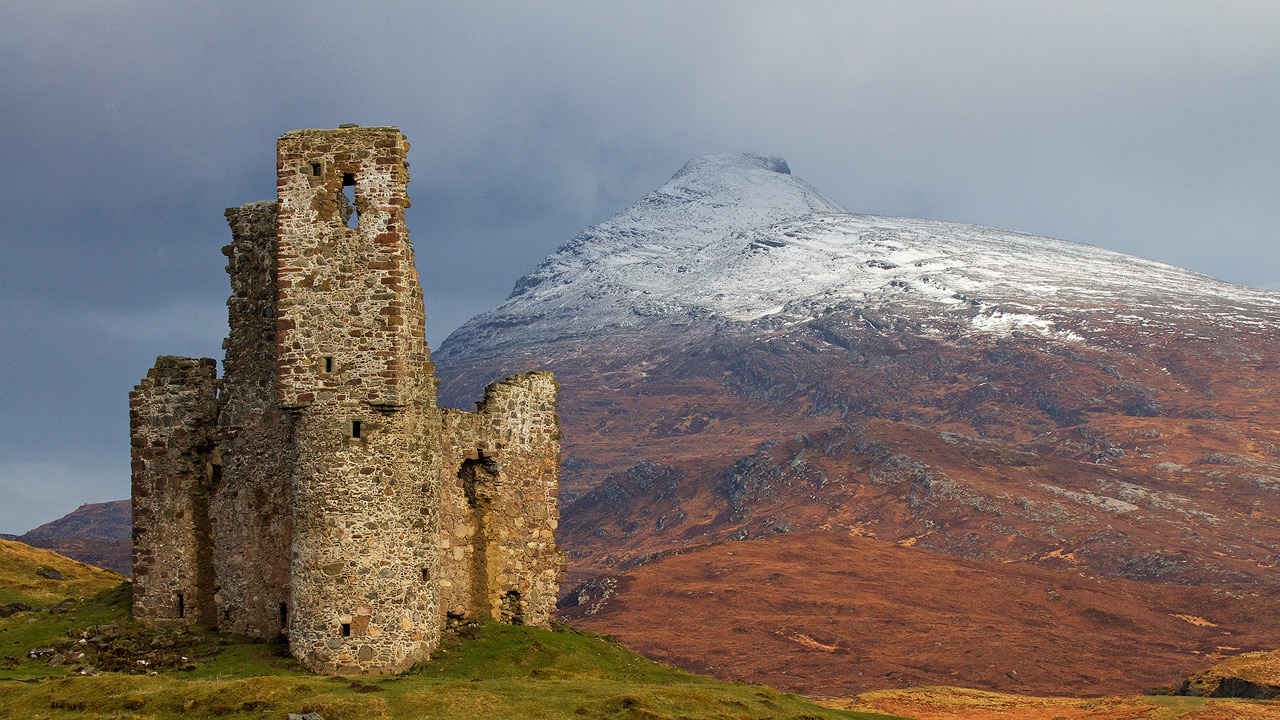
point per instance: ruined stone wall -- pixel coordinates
(500, 483)
(252, 508)
(350, 308)
(354, 371)
(172, 416)
(306, 490)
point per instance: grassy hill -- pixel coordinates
(22, 582)
(91, 661)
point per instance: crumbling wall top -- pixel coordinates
(350, 318)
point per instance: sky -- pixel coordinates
(1151, 128)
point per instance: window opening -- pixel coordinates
(426, 575)
(182, 607)
(346, 629)
(226, 614)
(355, 429)
(328, 364)
(317, 168)
(284, 614)
(350, 215)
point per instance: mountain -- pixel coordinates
(737, 244)
(99, 534)
(742, 359)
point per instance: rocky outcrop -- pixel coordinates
(1254, 676)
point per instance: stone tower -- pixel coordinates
(352, 369)
(317, 490)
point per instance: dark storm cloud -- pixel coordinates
(1144, 127)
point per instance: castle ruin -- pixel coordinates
(316, 490)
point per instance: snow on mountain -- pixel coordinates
(738, 239)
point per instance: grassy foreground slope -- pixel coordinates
(105, 666)
(949, 703)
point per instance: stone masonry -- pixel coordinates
(316, 491)
(499, 510)
(172, 413)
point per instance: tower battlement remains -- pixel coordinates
(316, 490)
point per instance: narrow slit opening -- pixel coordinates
(346, 629)
(182, 606)
(350, 215)
(284, 615)
(328, 364)
(356, 429)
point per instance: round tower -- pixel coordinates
(354, 370)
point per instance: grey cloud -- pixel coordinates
(1147, 127)
(187, 322)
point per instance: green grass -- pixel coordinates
(20, 582)
(27, 630)
(485, 672)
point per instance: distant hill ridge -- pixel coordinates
(99, 534)
(98, 520)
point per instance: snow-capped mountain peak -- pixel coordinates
(708, 198)
(715, 164)
(738, 239)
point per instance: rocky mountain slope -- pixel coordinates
(742, 359)
(91, 520)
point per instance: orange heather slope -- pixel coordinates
(834, 615)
